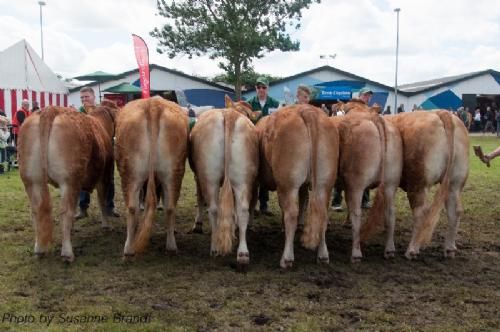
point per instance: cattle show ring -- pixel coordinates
(154, 200)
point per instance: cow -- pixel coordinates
(224, 149)
(370, 156)
(151, 145)
(435, 150)
(299, 153)
(73, 152)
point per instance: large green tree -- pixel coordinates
(247, 78)
(235, 31)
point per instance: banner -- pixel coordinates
(142, 56)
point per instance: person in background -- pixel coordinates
(490, 117)
(303, 94)
(2, 113)
(387, 110)
(87, 96)
(35, 107)
(497, 119)
(477, 119)
(266, 104)
(364, 97)
(4, 137)
(401, 108)
(19, 117)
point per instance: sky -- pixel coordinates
(436, 38)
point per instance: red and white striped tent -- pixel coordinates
(24, 75)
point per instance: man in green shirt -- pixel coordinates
(262, 102)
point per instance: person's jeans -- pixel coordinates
(84, 200)
(498, 128)
(337, 196)
(263, 198)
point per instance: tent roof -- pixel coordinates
(22, 68)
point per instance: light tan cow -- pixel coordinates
(299, 152)
(151, 145)
(71, 151)
(370, 156)
(224, 150)
(436, 150)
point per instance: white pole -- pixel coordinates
(397, 10)
(41, 3)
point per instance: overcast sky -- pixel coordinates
(437, 38)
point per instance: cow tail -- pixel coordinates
(45, 219)
(153, 122)
(376, 216)
(225, 216)
(315, 222)
(424, 233)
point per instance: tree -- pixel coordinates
(247, 78)
(236, 31)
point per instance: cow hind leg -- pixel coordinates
(101, 198)
(171, 191)
(41, 215)
(289, 205)
(390, 222)
(243, 196)
(353, 199)
(132, 193)
(212, 198)
(69, 198)
(419, 208)
(198, 221)
(303, 197)
(323, 256)
(454, 212)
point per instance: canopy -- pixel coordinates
(123, 88)
(97, 76)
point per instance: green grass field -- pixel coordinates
(193, 292)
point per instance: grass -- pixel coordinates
(193, 292)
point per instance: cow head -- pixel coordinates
(242, 107)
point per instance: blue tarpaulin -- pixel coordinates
(444, 100)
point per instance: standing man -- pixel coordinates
(87, 97)
(364, 96)
(19, 117)
(262, 102)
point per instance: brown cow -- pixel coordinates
(225, 150)
(299, 152)
(436, 150)
(370, 156)
(71, 151)
(151, 145)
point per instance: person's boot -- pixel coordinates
(81, 214)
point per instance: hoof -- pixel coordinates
(450, 253)
(40, 255)
(410, 255)
(286, 264)
(214, 253)
(243, 258)
(300, 227)
(106, 227)
(128, 257)
(171, 252)
(389, 254)
(356, 260)
(323, 260)
(197, 229)
(68, 259)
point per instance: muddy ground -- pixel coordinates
(194, 292)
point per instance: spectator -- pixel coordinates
(303, 95)
(364, 96)
(387, 110)
(4, 137)
(35, 107)
(490, 117)
(401, 108)
(87, 96)
(2, 113)
(19, 118)
(266, 104)
(497, 119)
(477, 119)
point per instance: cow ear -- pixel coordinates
(228, 101)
